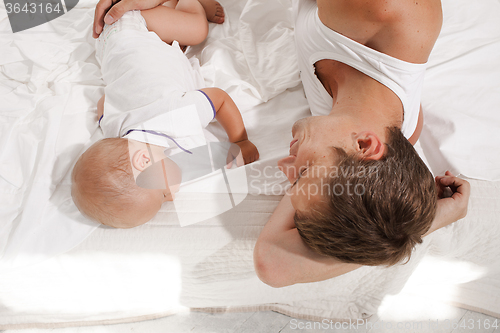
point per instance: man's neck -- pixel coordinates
(366, 100)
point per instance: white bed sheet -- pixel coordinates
(50, 84)
(53, 71)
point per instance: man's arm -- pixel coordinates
(281, 258)
(228, 115)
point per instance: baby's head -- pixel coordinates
(104, 186)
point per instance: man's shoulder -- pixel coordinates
(359, 20)
(397, 28)
(374, 10)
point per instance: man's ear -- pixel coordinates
(368, 145)
(141, 160)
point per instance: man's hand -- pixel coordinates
(247, 153)
(453, 199)
(109, 11)
(453, 194)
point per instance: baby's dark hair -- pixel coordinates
(391, 205)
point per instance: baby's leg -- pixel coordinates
(187, 23)
(170, 3)
(213, 9)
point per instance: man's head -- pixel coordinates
(104, 187)
(359, 197)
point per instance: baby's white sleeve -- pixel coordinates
(203, 104)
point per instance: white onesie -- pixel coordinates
(315, 42)
(151, 88)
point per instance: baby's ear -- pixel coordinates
(141, 160)
(368, 145)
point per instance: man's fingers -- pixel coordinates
(109, 11)
(450, 182)
(100, 15)
(457, 185)
(100, 11)
(117, 11)
(97, 30)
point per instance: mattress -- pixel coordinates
(59, 269)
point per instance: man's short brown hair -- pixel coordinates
(381, 221)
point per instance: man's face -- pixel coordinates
(312, 156)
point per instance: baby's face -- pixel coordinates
(156, 179)
(152, 171)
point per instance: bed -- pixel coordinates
(58, 269)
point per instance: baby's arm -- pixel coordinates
(228, 115)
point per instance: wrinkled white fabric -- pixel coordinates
(51, 83)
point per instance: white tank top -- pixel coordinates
(316, 42)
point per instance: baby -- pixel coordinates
(155, 105)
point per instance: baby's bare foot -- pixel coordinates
(214, 11)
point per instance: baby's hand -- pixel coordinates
(247, 153)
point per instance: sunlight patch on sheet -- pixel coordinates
(89, 283)
(434, 279)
